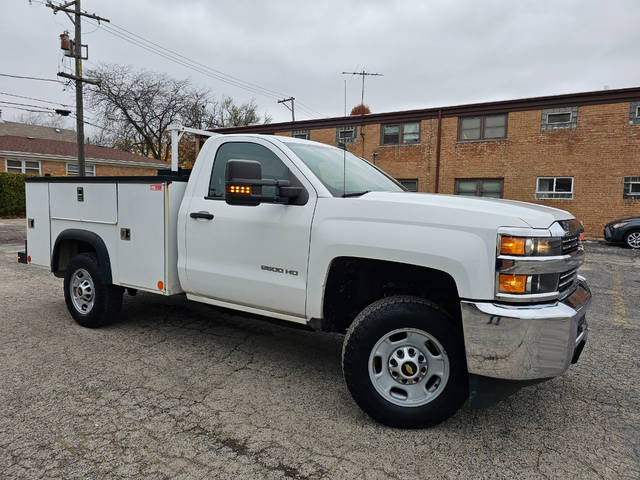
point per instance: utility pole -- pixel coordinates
(363, 74)
(76, 52)
(292, 107)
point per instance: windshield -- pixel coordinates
(343, 173)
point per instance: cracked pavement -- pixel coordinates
(179, 390)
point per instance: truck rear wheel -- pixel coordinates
(404, 363)
(91, 302)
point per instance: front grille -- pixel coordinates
(570, 243)
(567, 282)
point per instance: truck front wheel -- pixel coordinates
(91, 302)
(404, 363)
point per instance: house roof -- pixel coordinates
(12, 143)
(36, 131)
(572, 99)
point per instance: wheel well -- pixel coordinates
(67, 249)
(353, 283)
(72, 242)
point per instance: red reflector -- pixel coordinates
(160, 285)
(29, 259)
(155, 188)
(582, 236)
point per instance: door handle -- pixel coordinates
(205, 215)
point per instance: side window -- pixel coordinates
(272, 166)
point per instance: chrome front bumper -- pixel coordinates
(518, 342)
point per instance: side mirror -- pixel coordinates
(243, 182)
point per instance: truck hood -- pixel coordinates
(533, 215)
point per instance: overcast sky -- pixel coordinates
(431, 53)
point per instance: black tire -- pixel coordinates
(107, 299)
(379, 319)
(630, 239)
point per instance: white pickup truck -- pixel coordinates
(431, 290)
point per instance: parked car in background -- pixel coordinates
(625, 230)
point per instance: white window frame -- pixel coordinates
(23, 164)
(302, 133)
(627, 182)
(546, 195)
(86, 169)
(352, 138)
(638, 111)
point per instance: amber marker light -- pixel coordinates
(243, 189)
(513, 283)
(512, 246)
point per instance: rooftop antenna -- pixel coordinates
(345, 97)
(363, 74)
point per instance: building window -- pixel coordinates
(488, 127)
(89, 170)
(395, 134)
(554, 187)
(631, 187)
(303, 133)
(23, 166)
(410, 184)
(634, 113)
(480, 187)
(345, 134)
(555, 118)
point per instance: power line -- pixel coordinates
(28, 109)
(30, 78)
(185, 62)
(23, 104)
(274, 92)
(199, 67)
(36, 99)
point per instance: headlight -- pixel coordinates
(528, 284)
(619, 225)
(526, 246)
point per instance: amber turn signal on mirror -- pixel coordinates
(245, 189)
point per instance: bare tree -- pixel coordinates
(135, 108)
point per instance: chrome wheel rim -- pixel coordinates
(409, 367)
(633, 239)
(82, 291)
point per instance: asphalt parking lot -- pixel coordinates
(182, 390)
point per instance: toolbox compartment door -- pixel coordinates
(38, 225)
(142, 235)
(84, 202)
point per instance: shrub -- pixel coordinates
(12, 199)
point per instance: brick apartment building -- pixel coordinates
(579, 152)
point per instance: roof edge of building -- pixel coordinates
(501, 106)
(71, 158)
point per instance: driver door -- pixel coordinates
(252, 256)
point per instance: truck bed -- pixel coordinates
(136, 217)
